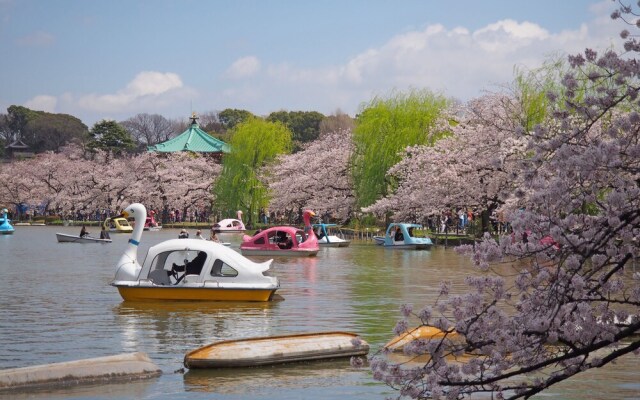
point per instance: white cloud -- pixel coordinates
(244, 67)
(42, 103)
(456, 62)
(146, 88)
(39, 38)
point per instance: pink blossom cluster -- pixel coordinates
(69, 181)
(561, 294)
(318, 178)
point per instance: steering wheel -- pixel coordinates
(176, 275)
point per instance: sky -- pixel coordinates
(113, 59)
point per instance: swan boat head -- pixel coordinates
(128, 266)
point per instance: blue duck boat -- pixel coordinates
(5, 224)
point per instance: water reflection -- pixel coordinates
(311, 380)
(56, 305)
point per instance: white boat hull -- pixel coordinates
(278, 253)
(333, 241)
(63, 238)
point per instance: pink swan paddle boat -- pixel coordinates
(283, 240)
(230, 224)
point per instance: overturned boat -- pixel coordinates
(277, 350)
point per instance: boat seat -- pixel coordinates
(159, 277)
(216, 270)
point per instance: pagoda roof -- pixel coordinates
(193, 139)
(17, 144)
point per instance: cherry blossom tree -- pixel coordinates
(475, 167)
(70, 182)
(318, 178)
(567, 299)
(181, 180)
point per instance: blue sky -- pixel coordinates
(117, 58)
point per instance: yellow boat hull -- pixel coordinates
(422, 332)
(130, 293)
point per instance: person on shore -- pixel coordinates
(183, 234)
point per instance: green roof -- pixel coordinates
(193, 139)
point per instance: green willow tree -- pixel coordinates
(384, 128)
(254, 144)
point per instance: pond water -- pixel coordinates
(56, 305)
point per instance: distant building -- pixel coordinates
(193, 139)
(17, 150)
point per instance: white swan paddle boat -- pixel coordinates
(189, 269)
(230, 225)
(64, 238)
(325, 239)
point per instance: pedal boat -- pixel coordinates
(222, 275)
(117, 224)
(230, 225)
(5, 224)
(283, 241)
(327, 240)
(150, 223)
(401, 236)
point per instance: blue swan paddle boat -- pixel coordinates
(5, 224)
(400, 236)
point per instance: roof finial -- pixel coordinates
(194, 118)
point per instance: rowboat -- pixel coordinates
(423, 332)
(64, 238)
(276, 350)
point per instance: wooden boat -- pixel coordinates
(189, 269)
(276, 350)
(64, 238)
(5, 224)
(423, 332)
(126, 366)
(230, 225)
(283, 241)
(327, 240)
(400, 236)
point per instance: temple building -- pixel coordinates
(193, 139)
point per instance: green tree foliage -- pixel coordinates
(384, 128)
(305, 125)
(43, 131)
(254, 143)
(111, 137)
(231, 117)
